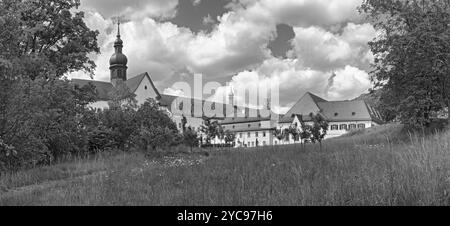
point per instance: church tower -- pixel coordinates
(118, 62)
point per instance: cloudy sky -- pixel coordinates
(303, 45)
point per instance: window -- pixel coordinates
(180, 107)
(334, 127)
(361, 126)
(249, 125)
(248, 135)
(240, 135)
(257, 134)
(264, 134)
(179, 125)
(253, 144)
(336, 114)
(145, 87)
(353, 113)
(352, 126)
(249, 144)
(343, 127)
(234, 127)
(213, 107)
(260, 125)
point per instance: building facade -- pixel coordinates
(343, 116)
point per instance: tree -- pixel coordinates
(412, 57)
(305, 133)
(191, 138)
(230, 137)
(155, 128)
(184, 123)
(42, 116)
(212, 130)
(319, 129)
(46, 36)
(278, 133)
(294, 131)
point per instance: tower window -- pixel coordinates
(145, 87)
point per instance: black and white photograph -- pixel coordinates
(225, 103)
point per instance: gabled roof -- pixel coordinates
(333, 111)
(305, 106)
(338, 111)
(169, 100)
(133, 83)
(102, 88)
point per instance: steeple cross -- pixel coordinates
(118, 20)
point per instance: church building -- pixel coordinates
(343, 116)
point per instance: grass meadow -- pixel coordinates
(377, 167)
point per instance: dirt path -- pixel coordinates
(167, 162)
(47, 185)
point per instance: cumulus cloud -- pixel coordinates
(319, 48)
(293, 80)
(303, 12)
(132, 9)
(329, 55)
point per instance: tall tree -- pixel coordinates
(43, 37)
(412, 56)
(229, 137)
(190, 138)
(212, 130)
(319, 129)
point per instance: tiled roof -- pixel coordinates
(306, 105)
(168, 100)
(333, 111)
(102, 88)
(133, 83)
(339, 111)
(243, 130)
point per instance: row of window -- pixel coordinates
(249, 126)
(253, 144)
(249, 134)
(348, 127)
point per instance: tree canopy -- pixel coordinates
(412, 56)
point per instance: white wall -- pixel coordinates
(249, 139)
(100, 105)
(337, 133)
(145, 91)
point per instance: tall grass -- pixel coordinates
(364, 169)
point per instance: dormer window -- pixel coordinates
(353, 113)
(336, 114)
